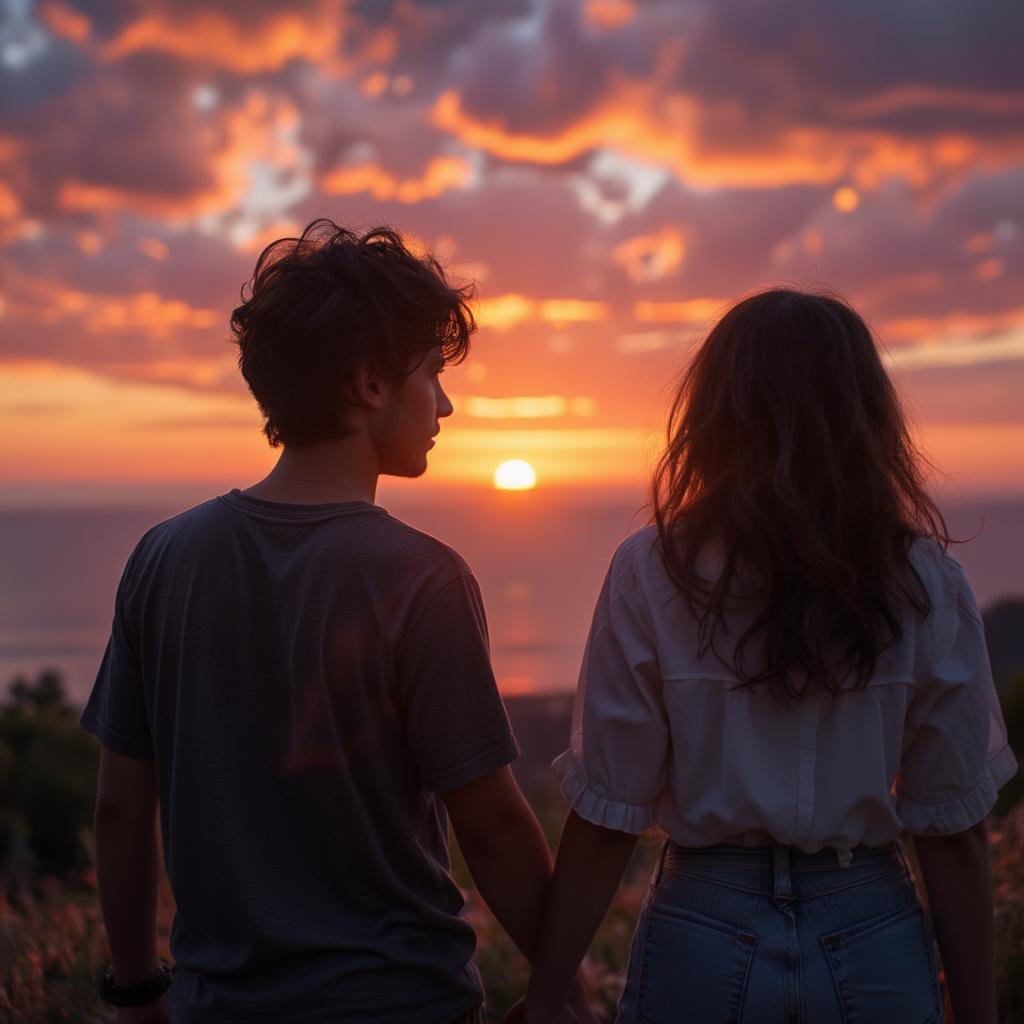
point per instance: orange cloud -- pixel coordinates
(155, 248)
(53, 305)
(959, 352)
(84, 197)
(565, 311)
(979, 242)
(375, 83)
(442, 173)
(651, 257)
(259, 240)
(897, 286)
(20, 230)
(249, 48)
(653, 128)
(505, 311)
(846, 199)
(12, 177)
(145, 311)
(651, 124)
(64, 21)
(199, 373)
(955, 326)
(492, 136)
(955, 339)
(609, 14)
(990, 269)
(89, 242)
(261, 130)
(10, 205)
(99, 429)
(916, 97)
(215, 39)
(647, 341)
(525, 407)
(687, 311)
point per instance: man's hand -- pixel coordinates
(509, 860)
(577, 1011)
(520, 1015)
(152, 1013)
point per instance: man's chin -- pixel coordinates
(408, 472)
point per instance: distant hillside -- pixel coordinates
(541, 724)
(1004, 631)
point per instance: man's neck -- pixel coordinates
(333, 471)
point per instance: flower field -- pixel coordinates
(52, 945)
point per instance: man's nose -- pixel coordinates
(444, 403)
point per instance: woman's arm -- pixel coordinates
(588, 869)
(958, 878)
(509, 859)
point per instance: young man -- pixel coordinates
(301, 685)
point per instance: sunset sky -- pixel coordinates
(610, 174)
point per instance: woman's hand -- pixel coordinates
(522, 1014)
(152, 1013)
(589, 867)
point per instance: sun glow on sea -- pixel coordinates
(515, 475)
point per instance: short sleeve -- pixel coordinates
(616, 765)
(456, 723)
(116, 710)
(956, 754)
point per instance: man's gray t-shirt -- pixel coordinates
(307, 679)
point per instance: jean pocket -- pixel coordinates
(693, 968)
(884, 970)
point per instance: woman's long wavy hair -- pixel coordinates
(789, 451)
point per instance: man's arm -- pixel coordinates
(508, 857)
(127, 868)
(957, 875)
(505, 851)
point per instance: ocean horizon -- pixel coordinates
(540, 558)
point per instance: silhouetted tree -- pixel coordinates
(1012, 700)
(1004, 634)
(48, 771)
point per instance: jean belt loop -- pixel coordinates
(782, 881)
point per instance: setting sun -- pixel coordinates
(515, 475)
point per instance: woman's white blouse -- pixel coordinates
(662, 736)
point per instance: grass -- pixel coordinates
(52, 945)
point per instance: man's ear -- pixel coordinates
(368, 386)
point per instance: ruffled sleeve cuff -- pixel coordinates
(597, 809)
(950, 816)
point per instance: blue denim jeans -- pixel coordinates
(770, 935)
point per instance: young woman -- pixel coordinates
(786, 672)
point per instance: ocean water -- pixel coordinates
(540, 559)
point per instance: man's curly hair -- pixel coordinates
(318, 304)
